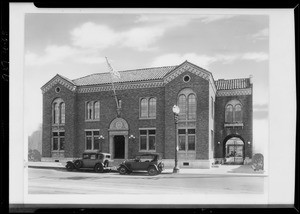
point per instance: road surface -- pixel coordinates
(60, 181)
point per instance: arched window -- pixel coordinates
(229, 114)
(144, 107)
(90, 110)
(58, 111)
(233, 112)
(62, 113)
(187, 104)
(192, 107)
(97, 110)
(238, 113)
(152, 107)
(182, 106)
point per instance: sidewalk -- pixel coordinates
(245, 170)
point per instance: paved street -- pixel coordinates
(60, 181)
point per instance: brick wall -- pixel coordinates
(245, 132)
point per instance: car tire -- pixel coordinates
(99, 168)
(70, 167)
(152, 171)
(122, 170)
(78, 164)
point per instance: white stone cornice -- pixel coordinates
(58, 80)
(234, 92)
(88, 89)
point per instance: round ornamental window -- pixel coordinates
(57, 89)
(186, 78)
(119, 124)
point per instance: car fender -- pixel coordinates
(154, 166)
(124, 166)
(70, 162)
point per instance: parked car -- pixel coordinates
(91, 159)
(145, 162)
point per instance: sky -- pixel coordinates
(75, 45)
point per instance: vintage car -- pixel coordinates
(91, 159)
(150, 162)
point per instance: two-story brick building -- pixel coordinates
(215, 119)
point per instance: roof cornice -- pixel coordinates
(234, 92)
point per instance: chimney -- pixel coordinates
(251, 79)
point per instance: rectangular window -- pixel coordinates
(147, 139)
(92, 140)
(212, 107)
(186, 139)
(212, 140)
(58, 141)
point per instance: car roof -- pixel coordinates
(95, 152)
(148, 154)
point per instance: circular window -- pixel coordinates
(186, 78)
(57, 89)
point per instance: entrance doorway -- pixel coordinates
(119, 145)
(234, 149)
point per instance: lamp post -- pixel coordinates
(176, 111)
(101, 138)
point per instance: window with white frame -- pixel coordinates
(148, 107)
(92, 110)
(58, 111)
(147, 139)
(233, 112)
(187, 139)
(92, 140)
(58, 141)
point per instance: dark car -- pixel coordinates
(91, 159)
(145, 162)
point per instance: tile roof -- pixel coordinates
(126, 76)
(222, 84)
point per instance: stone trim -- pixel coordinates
(87, 89)
(234, 92)
(59, 80)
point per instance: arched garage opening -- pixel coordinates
(234, 150)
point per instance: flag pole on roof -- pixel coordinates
(114, 74)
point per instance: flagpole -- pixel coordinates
(112, 83)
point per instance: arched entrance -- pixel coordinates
(118, 138)
(234, 150)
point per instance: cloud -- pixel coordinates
(60, 54)
(261, 35)
(205, 60)
(256, 56)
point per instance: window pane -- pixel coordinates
(152, 107)
(191, 142)
(93, 157)
(88, 133)
(151, 142)
(96, 132)
(144, 108)
(88, 142)
(55, 133)
(192, 106)
(181, 143)
(55, 144)
(151, 131)
(229, 114)
(212, 107)
(238, 113)
(61, 133)
(182, 107)
(212, 139)
(89, 110)
(181, 131)
(143, 142)
(56, 113)
(96, 142)
(97, 110)
(62, 143)
(62, 113)
(143, 132)
(191, 131)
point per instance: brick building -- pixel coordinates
(215, 119)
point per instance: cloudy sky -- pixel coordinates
(74, 45)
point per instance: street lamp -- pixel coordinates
(101, 138)
(176, 111)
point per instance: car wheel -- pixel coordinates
(78, 164)
(99, 168)
(152, 171)
(122, 170)
(70, 167)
